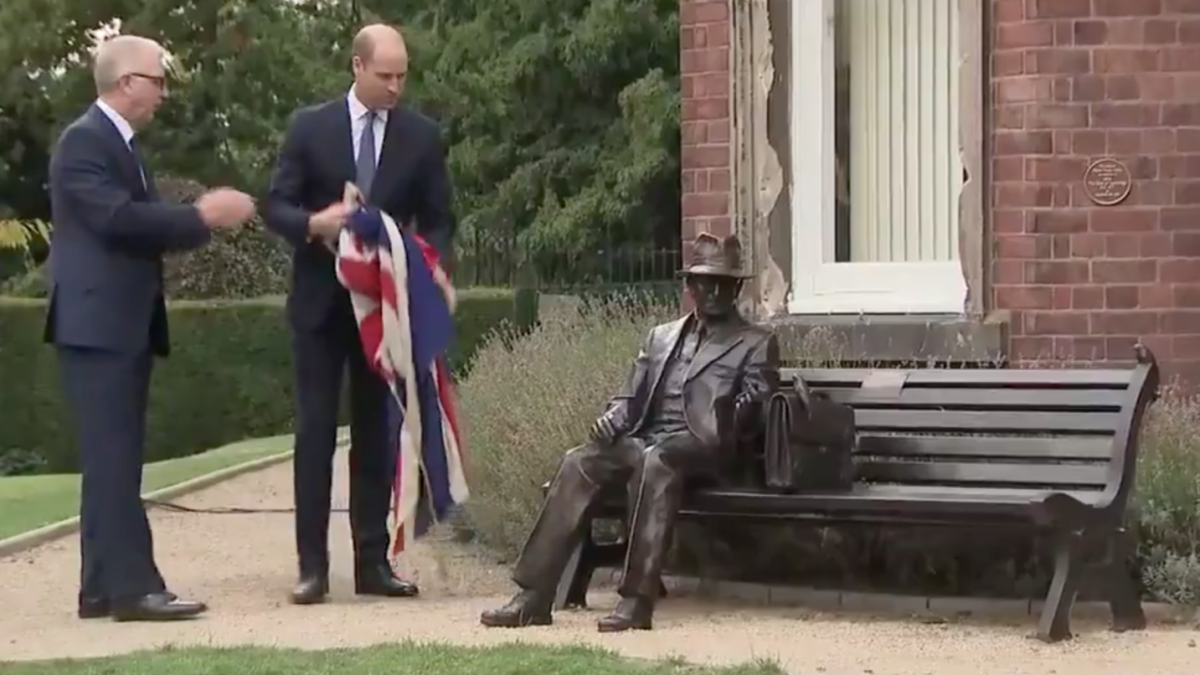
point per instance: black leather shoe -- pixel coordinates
(93, 608)
(630, 614)
(310, 590)
(99, 608)
(157, 607)
(381, 580)
(527, 608)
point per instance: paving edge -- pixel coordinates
(776, 595)
(47, 533)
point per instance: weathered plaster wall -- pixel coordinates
(760, 140)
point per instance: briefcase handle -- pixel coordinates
(803, 393)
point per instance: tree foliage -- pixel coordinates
(561, 117)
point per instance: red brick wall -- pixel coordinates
(1074, 80)
(704, 70)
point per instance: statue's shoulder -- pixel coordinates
(669, 326)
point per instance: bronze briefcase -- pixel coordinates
(810, 442)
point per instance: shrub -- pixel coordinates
(19, 462)
(531, 397)
(1167, 500)
(33, 283)
(22, 245)
(229, 376)
(248, 262)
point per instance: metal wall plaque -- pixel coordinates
(1107, 181)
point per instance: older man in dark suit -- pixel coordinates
(396, 158)
(107, 318)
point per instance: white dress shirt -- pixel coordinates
(122, 126)
(119, 122)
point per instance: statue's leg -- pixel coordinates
(657, 490)
(658, 483)
(556, 533)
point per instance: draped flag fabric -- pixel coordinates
(403, 302)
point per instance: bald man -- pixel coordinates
(397, 159)
(107, 318)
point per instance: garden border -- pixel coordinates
(27, 540)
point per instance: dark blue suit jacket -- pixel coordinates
(316, 161)
(110, 234)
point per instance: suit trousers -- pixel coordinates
(654, 470)
(107, 394)
(320, 356)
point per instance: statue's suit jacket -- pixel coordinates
(738, 363)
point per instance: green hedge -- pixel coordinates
(229, 375)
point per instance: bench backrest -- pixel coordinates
(1052, 429)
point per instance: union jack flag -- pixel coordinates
(403, 302)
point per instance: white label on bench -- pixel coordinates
(885, 381)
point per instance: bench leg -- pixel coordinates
(1055, 622)
(1124, 599)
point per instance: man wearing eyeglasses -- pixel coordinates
(396, 158)
(107, 318)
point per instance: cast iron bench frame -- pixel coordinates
(1049, 451)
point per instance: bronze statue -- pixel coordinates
(695, 382)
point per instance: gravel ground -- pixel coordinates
(244, 565)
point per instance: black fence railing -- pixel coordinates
(504, 266)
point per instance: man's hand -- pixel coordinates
(224, 208)
(327, 223)
(603, 430)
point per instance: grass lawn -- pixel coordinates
(405, 659)
(29, 502)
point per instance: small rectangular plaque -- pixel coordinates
(885, 382)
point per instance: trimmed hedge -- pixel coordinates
(229, 375)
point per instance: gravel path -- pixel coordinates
(243, 565)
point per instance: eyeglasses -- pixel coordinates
(158, 80)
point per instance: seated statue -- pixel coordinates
(695, 382)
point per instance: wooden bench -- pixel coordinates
(1050, 451)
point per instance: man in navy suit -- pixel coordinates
(397, 159)
(107, 318)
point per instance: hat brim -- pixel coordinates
(711, 271)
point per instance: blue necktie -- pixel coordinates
(365, 163)
(137, 159)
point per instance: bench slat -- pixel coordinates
(973, 378)
(877, 499)
(985, 422)
(1056, 475)
(1072, 400)
(996, 447)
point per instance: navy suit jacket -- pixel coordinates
(317, 159)
(110, 234)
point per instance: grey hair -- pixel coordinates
(116, 57)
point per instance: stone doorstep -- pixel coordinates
(825, 599)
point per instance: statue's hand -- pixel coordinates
(744, 409)
(603, 430)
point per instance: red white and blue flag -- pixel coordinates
(403, 302)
